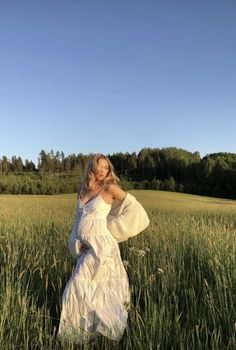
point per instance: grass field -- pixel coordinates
(182, 273)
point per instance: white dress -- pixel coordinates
(97, 296)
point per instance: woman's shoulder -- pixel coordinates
(111, 186)
(115, 191)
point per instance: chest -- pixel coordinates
(88, 196)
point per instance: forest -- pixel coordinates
(168, 169)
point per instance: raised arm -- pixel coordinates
(116, 192)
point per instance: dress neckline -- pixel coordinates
(90, 200)
(98, 195)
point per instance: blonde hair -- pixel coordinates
(90, 170)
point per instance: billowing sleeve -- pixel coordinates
(128, 220)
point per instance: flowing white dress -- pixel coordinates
(96, 299)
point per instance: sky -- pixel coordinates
(117, 76)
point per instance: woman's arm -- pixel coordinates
(116, 192)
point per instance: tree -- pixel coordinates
(5, 165)
(17, 164)
(170, 184)
(29, 166)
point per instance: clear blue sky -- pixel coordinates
(116, 76)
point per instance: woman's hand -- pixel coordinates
(83, 248)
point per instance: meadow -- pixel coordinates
(182, 273)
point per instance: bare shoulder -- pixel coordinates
(116, 192)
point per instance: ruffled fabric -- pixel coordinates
(97, 296)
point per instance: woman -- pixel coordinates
(97, 296)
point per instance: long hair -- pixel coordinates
(91, 169)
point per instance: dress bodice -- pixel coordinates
(96, 206)
(91, 217)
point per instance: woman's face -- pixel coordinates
(102, 169)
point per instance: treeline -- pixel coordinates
(170, 169)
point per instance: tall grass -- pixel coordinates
(182, 273)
